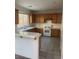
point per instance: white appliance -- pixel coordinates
(47, 28)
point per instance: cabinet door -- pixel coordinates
(56, 32)
(47, 17)
(54, 18)
(59, 18)
(37, 18)
(16, 17)
(41, 20)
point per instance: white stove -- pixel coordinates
(47, 29)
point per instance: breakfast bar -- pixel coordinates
(27, 44)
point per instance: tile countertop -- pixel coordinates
(54, 26)
(37, 25)
(22, 32)
(32, 35)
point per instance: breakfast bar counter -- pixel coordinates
(27, 44)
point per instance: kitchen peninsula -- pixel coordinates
(27, 44)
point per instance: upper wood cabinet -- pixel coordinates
(56, 18)
(37, 19)
(16, 17)
(41, 18)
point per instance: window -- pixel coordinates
(23, 19)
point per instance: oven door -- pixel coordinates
(47, 32)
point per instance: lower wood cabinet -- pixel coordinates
(55, 33)
(32, 30)
(38, 30)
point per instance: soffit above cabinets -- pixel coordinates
(38, 5)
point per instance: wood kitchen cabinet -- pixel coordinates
(56, 33)
(40, 30)
(56, 18)
(42, 18)
(59, 18)
(32, 30)
(37, 30)
(16, 17)
(39, 18)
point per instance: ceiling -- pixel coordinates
(37, 5)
